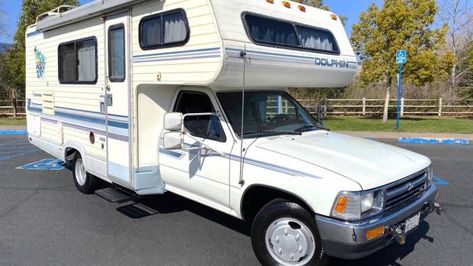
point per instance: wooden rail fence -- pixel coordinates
(334, 107)
(12, 108)
(409, 107)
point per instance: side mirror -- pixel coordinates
(172, 140)
(173, 121)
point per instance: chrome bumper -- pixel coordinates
(347, 240)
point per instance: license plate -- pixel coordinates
(412, 222)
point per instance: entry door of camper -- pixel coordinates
(117, 96)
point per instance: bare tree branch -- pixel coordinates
(457, 15)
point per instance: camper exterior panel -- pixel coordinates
(68, 112)
(195, 62)
(276, 66)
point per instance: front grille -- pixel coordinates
(405, 192)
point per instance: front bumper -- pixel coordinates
(347, 239)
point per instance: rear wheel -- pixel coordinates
(85, 182)
(284, 233)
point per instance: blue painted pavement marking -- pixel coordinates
(45, 165)
(434, 141)
(439, 181)
(13, 132)
(15, 149)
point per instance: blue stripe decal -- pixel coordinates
(117, 117)
(178, 55)
(179, 52)
(352, 64)
(253, 162)
(96, 120)
(272, 167)
(434, 141)
(98, 131)
(92, 112)
(215, 52)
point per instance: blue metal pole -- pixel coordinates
(399, 92)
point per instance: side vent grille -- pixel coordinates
(48, 102)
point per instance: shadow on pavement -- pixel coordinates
(171, 203)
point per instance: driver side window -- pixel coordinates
(207, 127)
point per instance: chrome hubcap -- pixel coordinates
(80, 172)
(290, 242)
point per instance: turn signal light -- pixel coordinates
(374, 232)
(341, 204)
(286, 4)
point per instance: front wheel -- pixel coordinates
(85, 182)
(284, 233)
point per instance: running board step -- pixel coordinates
(114, 195)
(136, 211)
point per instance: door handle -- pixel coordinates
(105, 100)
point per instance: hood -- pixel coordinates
(369, 163)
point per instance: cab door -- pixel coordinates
(117, 98)
(196, 172)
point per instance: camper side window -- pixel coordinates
(165, 29)
(279, 33)
(78, 62)
(205, 126)
(116, 53)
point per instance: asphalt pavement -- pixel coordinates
(45, 221)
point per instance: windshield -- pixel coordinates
(266, 113)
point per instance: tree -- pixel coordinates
(400, 24)
(457, 15)
(467, 68)
(15, 58)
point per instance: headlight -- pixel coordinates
(354, 205)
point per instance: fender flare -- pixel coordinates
(75, 146)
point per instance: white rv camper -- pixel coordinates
(191, 97)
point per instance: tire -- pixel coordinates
(84, 182)
(284, 233)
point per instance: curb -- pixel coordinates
(449, 141)
(13, 132)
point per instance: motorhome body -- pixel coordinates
(102, 78)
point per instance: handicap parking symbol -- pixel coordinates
(45, 165)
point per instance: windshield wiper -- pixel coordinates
(310, 128)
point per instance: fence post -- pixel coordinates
(325, 106)
(402, 106)
(440, 106)
(364, 106)
(14, 107)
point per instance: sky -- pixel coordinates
(349, 8)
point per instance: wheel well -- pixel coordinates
(257, 196)
(69, 155)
